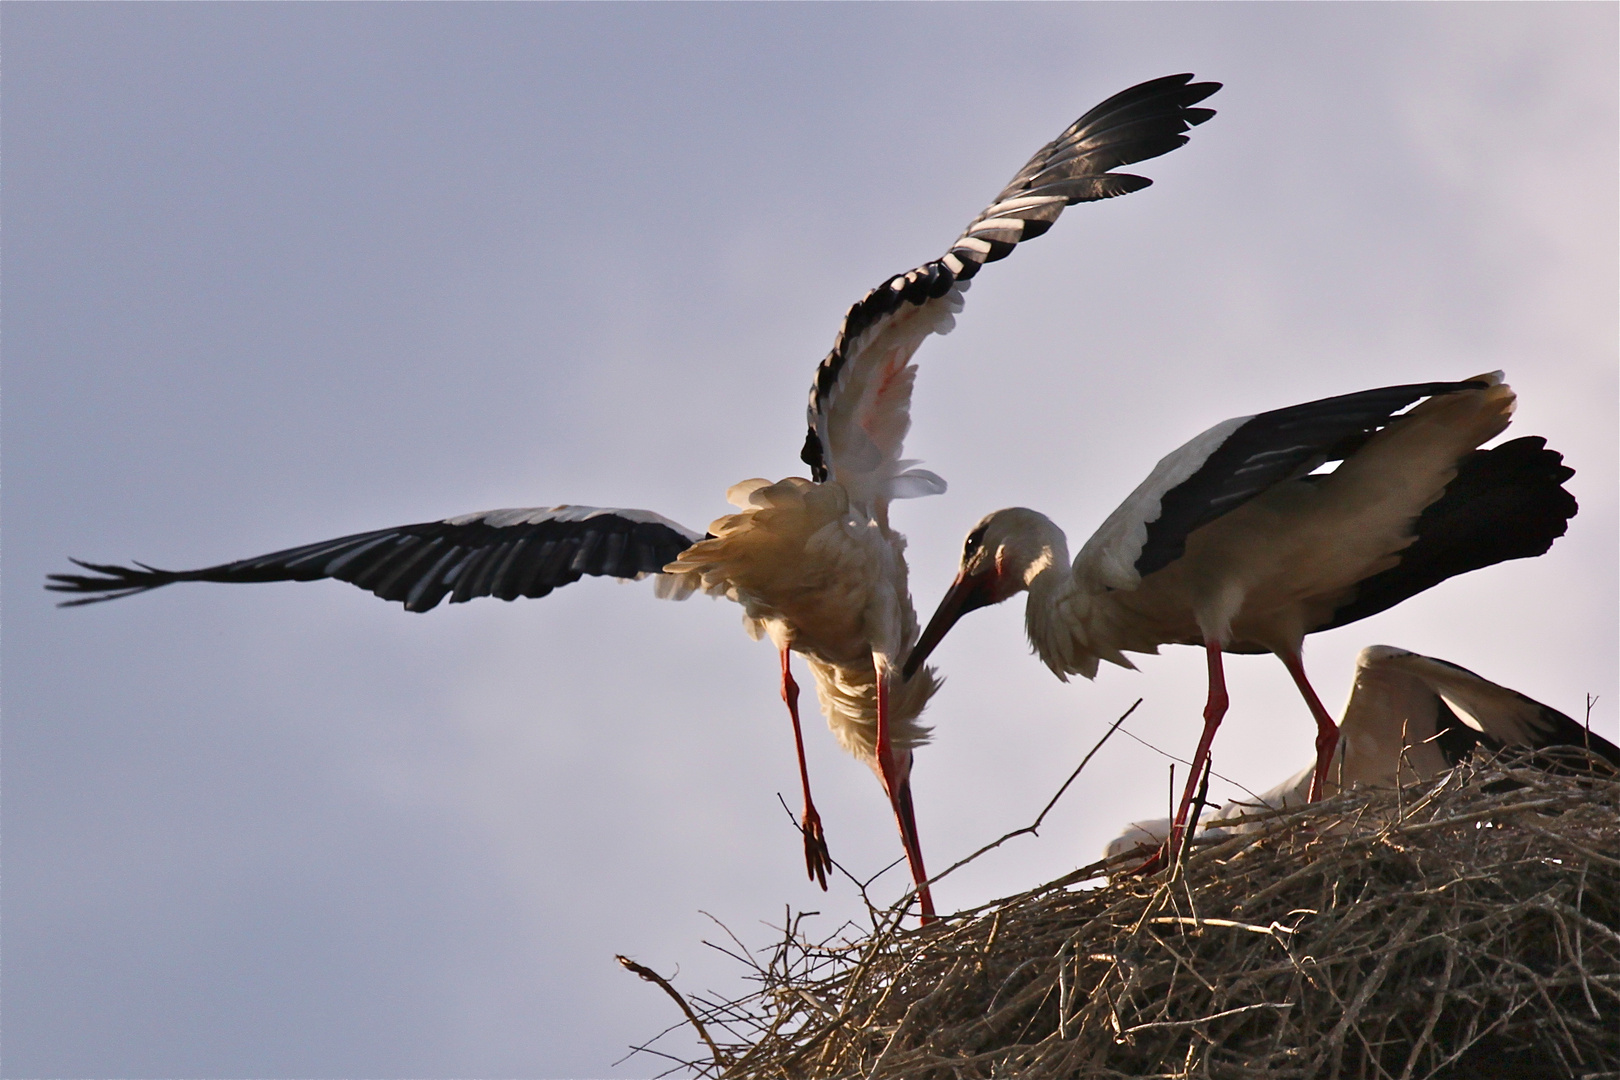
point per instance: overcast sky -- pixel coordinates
(276, 273)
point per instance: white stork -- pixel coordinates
(814, 563)
(1409, 718)
(1235, 542)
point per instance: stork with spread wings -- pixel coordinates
(814, 563)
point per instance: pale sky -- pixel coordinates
(277, 273)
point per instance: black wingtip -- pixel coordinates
(1505, 503)
(811, 456)
(110, 582)
(101, 599)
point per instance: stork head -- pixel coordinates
(1003, 554)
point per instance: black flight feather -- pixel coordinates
(418, 565)
(1456, 739)
(1507, 502)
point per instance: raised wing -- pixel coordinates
(501, 553)
(1494, 714)
(1231, 463)
(860, 404)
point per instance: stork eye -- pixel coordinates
(973, 543)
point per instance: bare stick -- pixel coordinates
(1171, 803)
(1200, 801)
(1035, 825)
(653, 977)
(1184, 761)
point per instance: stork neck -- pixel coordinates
(1050, 581)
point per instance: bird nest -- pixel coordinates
(1466, 927)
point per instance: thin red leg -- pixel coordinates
(907, 820)
(817, 860)
(1214, 710)
(1327, 732)
(899, 792)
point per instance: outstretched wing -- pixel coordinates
(501, 553)
(860, 404)
(1231, 463)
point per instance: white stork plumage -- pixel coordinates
(1235, 542)
(1409, 718)
(814, 563)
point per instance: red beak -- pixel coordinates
(965, 594)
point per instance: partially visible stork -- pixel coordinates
(1409, 718)
(1235, 542)
(814, 563)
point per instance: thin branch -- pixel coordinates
(1200, 801)
(653, 977)
(1169, 1024)
(1170, 797)
(862, 886)
(1166, 754)
(1034, 826)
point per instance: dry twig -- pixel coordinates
(653, 977)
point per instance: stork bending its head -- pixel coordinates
(1236, 542)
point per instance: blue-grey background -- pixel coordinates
(275, 273)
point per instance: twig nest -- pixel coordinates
(1462, 928)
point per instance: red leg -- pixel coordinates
(885, 752)
(1327, 732)
(908, 837)
(817, 860)
(898, 789)
(1214, 710)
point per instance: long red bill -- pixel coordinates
(965, 594)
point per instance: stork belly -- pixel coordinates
(827, 623)
(1162, 611)
(1142, 619)
(804, 567)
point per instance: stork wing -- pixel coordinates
(860, 404)
(502, 553)
(1507, 502)
(1228, 465)
(1494, 714)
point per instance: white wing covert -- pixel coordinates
(1226, 466)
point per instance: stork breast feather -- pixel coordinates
(773, 515)
(1109, 558)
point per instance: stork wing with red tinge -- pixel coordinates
(861, 400)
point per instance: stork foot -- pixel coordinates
(817, 859)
